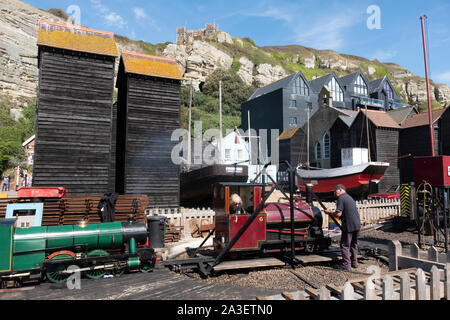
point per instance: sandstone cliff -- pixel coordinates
(257, 66)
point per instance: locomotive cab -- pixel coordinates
(227, 224)
(270, 230)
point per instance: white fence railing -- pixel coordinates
(373, 211)
(401, 285)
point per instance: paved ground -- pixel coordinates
(161, 284)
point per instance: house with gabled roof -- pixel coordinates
(342, 109)
(356, 87)
(382, 89)
(383, 142)
(281, 105)
(333, 84)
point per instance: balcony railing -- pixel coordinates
(396, 105)
(371, 102)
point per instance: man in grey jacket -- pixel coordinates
(351, 224)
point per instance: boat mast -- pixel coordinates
(422, 18)
(189, 135)
(249, 140)
(307, 138)
(368, 139)
(220, 121)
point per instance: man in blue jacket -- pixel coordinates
(347, 211)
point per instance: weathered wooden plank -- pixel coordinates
(74, 121)
(249, 264)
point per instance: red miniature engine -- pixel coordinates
(270, 231)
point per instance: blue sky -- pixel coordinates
(317, 24)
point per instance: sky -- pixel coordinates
(389, 31)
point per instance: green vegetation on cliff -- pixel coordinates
(13, 133)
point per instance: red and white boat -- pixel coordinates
(356, 179)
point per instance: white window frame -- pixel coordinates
(318, 147)
(324, 144)
(336, 91)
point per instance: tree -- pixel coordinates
(13, 133)
(234, 90)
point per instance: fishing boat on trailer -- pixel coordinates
(355, 178)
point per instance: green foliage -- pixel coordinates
(236, 65)
(152, 49)
(234, 90)
(205, 103)
(381, 72)
(13, 133)
(423, 107)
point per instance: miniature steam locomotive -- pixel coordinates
(270, 231)
(29, 254)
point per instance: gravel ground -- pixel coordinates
(320, 274)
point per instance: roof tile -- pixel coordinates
(81, 39)
(422, 119)
(151, 65)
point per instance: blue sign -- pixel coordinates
(13, 209)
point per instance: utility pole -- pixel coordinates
(190, 125)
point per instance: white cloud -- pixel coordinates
(143, 18)
(139, 13)
(383, 55)
(278, 13)
(327, 32)
(111, 17)
(443, 77)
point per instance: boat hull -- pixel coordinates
(196, 185)
(356, 179)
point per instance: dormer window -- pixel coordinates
(335, 89)
(360, 87)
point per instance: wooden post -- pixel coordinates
(302, 295)
(388, 288)
(435, 283)
(348, 292)
(447, 282)
(369, 289)
(421, 290)
(324, 294)
(405, 287)
(414, 251)
(433, 254)
(395, 250)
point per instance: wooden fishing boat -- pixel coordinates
(355, 178)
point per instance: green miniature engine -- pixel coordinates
(29, 254)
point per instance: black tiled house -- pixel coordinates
(337, 120)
